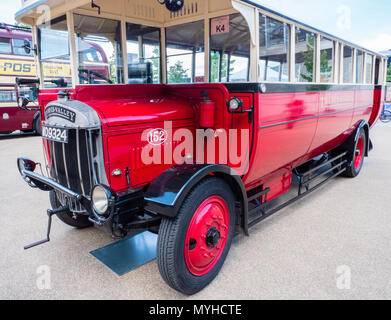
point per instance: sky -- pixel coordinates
(363, 22)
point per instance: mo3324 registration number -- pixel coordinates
(55, 134)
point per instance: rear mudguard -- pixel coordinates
(354, 137)
(166, 194)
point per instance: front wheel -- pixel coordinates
(360, 145)
(37, 126)
(193, 246)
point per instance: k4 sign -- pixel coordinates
(220, 25)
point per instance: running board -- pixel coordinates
(306, 186)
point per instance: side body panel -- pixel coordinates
(290, 125)
(285, 129)
(12, 118)
(295, 127)
(379, 99)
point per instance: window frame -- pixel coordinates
(125, 50)
(31, 54)
(194, 55)
(333, 57)
(352, 71)
(11, 51)
(316, 62)
(206, 16)
(74, 47)
(290, 31)
(372, 78)
(38, 57)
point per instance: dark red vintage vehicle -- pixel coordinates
(282, 109)
(15, 62)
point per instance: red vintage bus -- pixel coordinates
(15, 62)
(216, 115)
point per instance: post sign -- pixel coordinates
(9, 67)
(220, 25)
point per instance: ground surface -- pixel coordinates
(293, 255)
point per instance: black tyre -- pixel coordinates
(357, 155)
(80, 222)
(37, 126)
(193, 246)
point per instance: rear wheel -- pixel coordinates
(78, 221)
(358, 155)
(193, 246)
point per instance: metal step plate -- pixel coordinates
(128, 254)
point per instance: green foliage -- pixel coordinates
(389, 74)
(20, 24)
(324, 63)
(325, 68)
(215, 66)
(155, 65)
(112, 67)
(176, 73)
(309, 60)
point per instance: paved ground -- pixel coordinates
(293, 255)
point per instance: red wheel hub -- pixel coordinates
(207, 235)
(359, 153)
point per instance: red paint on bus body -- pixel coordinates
(288, 129)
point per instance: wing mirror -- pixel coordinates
(23, 102)
(27, 47)
(27, 91)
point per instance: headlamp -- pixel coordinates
(235, 105)
(100, 200)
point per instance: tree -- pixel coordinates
(113, 67)
(155, 65)
(389, 74)
(325, 68)
(20, 24)
(215, 66)
(176, 73)
(309, 60)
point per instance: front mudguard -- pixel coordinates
(166, 194)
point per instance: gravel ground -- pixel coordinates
(303, 252)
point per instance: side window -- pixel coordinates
(326, 60)
(18, 45)
(347, 64)
(5, 45)
(92, 55)
(230, 49)
(185, 53)
(369, 68)
(95, 34)
(359, 66)
(305, 56)
(143, 51)
(273, 50)
(54, 54)
(7, 95)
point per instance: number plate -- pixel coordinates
(55, 134)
